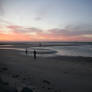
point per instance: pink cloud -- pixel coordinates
(34, 34)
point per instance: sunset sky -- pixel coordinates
(45, 20)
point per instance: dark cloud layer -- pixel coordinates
(68, 31)
(24, 30)
(73, 30)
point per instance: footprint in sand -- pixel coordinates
(15, 76)
(4, 68)
(25, 89)
(46, 82)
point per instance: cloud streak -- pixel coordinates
(73, 30)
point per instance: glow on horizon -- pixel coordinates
(31, 34)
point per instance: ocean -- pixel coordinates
(83, 49)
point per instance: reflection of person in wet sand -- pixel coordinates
(26, 51)
(34, 54)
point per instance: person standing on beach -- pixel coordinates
(34, 54)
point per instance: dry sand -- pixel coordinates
(51, 74)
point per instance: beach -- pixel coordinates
(20, 72)
(45, 45)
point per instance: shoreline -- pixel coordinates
(54, 56)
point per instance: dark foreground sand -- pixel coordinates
(52, 74)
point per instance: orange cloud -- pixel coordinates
(14, 37)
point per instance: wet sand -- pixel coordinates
(45, 74)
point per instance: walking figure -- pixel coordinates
(26, 51)
(34, 54)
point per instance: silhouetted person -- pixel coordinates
(34, 54)
(26, 51)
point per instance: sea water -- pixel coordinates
(59, 48)
(83, 49)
